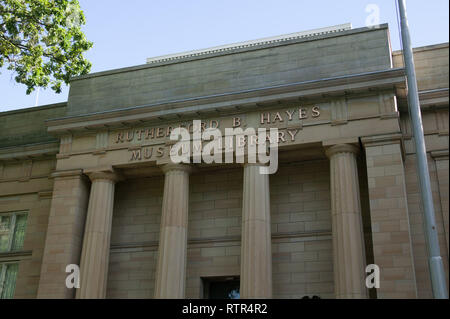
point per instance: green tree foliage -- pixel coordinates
(42, 42)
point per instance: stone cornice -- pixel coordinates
(29, 151)
(440, 155)
(424, 48)
(379, 140)
(34, 108)
(430, 99)
(434, 98)
(15, 255)
(45, 194)
(223, 103)
(433, 94)
(395, 138)
(67, 173)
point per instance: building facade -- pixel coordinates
(91, 183)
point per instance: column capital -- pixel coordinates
(246, 164)
(176, 167)
(341, 148)
(104, 173)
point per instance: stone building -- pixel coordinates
(90, 182)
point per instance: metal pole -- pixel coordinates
(438, 280)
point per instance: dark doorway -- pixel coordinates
(221, 288)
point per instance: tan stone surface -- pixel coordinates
(419, 245)
(134, 238)
(302, 251)
(38, 209)
(207, 243)
(256, 247)
(442, 172)
(215, 209)
(431, 66)
(348, 238)
(391, 232)
(64, 234)
(97, 236)
(28, 191)
(172, 250)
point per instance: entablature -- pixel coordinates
(231, 103)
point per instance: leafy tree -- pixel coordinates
(42, 42)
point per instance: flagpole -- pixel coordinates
(438, 280)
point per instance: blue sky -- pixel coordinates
(125, 33)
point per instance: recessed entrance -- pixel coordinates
(221, 288)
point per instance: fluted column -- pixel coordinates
(256, 251)
(348, 241)
(97, 235)
(172, 251)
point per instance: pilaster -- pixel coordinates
(391, 232)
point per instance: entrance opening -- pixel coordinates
(221, 287)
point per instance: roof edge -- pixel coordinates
(425, 48)
(251, 43)
(233, 51)
(34, 108)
